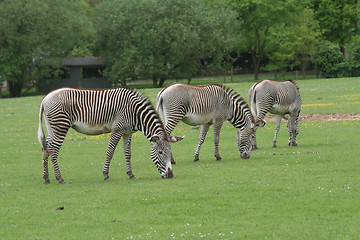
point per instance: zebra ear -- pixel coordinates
(155, 139)
(260, 123)
(174, 139)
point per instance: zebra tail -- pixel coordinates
(160, 107)
(252, 99)
(41, 135)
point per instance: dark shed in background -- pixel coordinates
(82, 73)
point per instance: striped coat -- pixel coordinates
(119, 111)
(207, 105)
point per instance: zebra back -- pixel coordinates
(103, 106)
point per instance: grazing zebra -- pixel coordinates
(279, 98)
(206, 105)
(121, 111)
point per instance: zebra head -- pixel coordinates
(245, 138)
(161, 154)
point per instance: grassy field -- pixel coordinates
(305, 192)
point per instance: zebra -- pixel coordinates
(279, 98)
(207, 105)
(119, 111)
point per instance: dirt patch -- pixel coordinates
(321, 117)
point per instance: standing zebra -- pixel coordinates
(121, 111)
(278, 98)
(206, 105)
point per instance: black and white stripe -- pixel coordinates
(207, 105)
(119, 111)
(279, 98)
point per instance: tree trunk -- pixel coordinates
(256, 73)
(161, 82)
(154, 81)
(256, 64)
(303, 70)
(15, 88)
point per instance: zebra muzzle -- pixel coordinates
(168, 174)
(245, 155)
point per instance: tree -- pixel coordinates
(159, 39)
(35, 34)
(258, 19)
(329, 59)
(351, 65)
(338, 19)
(293, 44)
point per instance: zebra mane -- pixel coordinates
(145, 101)
(138, 94)
(237, 98)
(295, 84)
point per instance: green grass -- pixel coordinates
(305, 192)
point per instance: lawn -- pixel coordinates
(305, 192)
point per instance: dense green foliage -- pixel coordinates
(338, 19)
(307, 192)
(291, 45)
(35, 35)
(161, 39)
(260, 19)
(328, 58)
(173, 39)
(351, 65)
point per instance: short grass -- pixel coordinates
(305, 192)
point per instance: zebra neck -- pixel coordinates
(148, 121)
(241, 114)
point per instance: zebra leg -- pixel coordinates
(54, 145)
(277, 129)
(204, 130)
(114, 140)
(292, 131)
(56, 167)
(217, 128)
(127, 153)
(45, 156)
(253, 141)
(170, 125)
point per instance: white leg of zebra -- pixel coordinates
(127, 152)
(277, 129)
(113, 142)
(293, 128)
(203, 132)
(253, 141)
(217, 128)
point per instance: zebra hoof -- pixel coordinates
(106, 178)
(274, 146)
(196, 158)
(218, 158)
(47, 182)
(132, 176)
(62, 181)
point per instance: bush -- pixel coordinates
(329, 59)
(351, 66)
